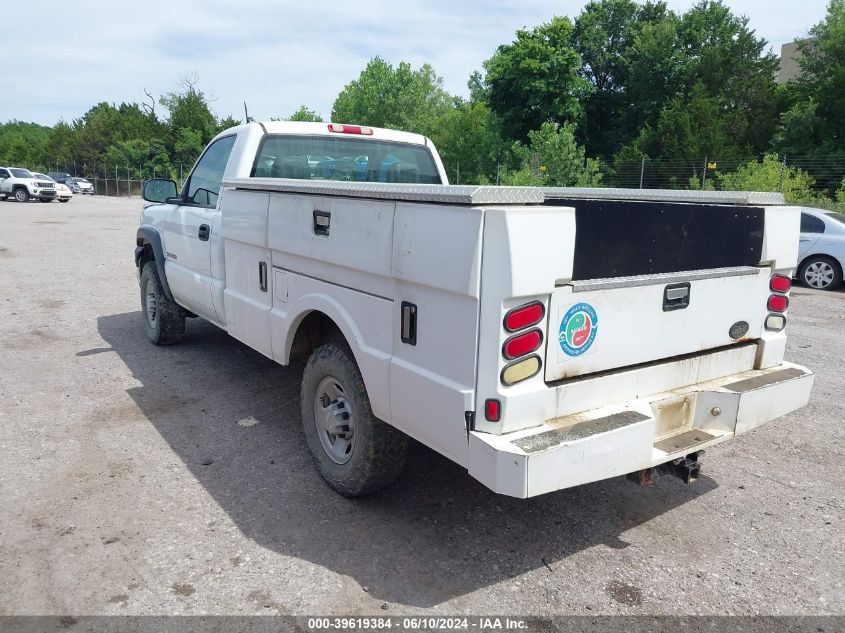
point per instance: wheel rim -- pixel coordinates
(151, 303)
(20, 195)
(819, 274)
(334, 420)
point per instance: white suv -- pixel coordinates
(21, 184)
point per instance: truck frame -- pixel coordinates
(540, 338)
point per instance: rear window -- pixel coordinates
(347, 159)
(811, 224)
(837, 216)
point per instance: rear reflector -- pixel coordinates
(520, 370)
(350, 129)
(492, 410)
(780, 283)
(522, 344)
(524, 316)
(778, 303)
(775, 322)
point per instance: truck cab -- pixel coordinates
(539, 338)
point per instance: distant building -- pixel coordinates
(790, 68)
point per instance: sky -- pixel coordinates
(277, 55)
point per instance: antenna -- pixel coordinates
(246, 114)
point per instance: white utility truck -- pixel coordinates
(540, 338)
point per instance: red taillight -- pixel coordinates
(350, 129)
(522, 344)
(778, 303)
(524, 316)
(780, 283)
(492, 410)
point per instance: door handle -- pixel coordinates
(204, 232)
(262, 276)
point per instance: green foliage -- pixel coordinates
(535, 79)
(305, 114)
(22, 144)
(840, 193)
(814, 126)
(554, 159)
(227, 122)
(468, 139)
(771, 174)
(603, 34)
(188, 146)
(189, 110)
(399, 98)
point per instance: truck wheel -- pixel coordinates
(355, 451)
(21, 195)
(164, 319)
(820, 272)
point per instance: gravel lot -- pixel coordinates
(127, 485)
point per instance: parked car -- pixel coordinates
(63, 193)
(821, 249)
(59, 176)
(80, 185)
(22, 185)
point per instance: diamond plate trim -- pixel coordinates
(453, 194)
(661, 278)
(755, 198)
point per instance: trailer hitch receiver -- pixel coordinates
(685, 468)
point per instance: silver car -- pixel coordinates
(821, 251)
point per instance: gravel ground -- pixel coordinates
(128, 486)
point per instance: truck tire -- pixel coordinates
(21, 194)
(164, 319)
(356, 453)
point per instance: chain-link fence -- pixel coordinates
(822, 177)
(115, 180)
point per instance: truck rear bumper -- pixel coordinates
(639, 434)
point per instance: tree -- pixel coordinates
(22, 143)
(188, 147)
(535, 79)
(469, 141)
(814, 127)
(603, 33)
(399, 98)
(305, 114)
(227, 122)
(702, 85)
(771, 174)
(554, 159)
(189, 109)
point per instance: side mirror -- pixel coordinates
(159, 190)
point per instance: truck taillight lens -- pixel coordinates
(520, 370)
(778, 303)
(775, 322)
(350, 129)
(492, 410)
(524, 316)
(522, 344)
(780, 283)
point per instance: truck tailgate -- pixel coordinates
(603, 324)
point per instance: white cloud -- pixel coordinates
(275, 56)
